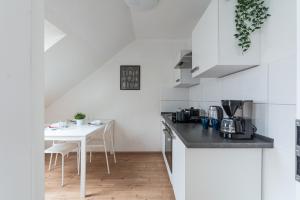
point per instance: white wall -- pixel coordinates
(298, 58)
(21, 85)
(298, 80)
(171, 99)
(137, 113)
(272, 86)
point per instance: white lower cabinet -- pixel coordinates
(178, 174)
(216, 173)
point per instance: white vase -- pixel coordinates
(79, 122)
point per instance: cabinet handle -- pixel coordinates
(173, 136)
(195, 69)
(166, 132)
(297, 153)
(178, 80)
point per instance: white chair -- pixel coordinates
(93, 145)
(63, 149)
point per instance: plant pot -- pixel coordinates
(79, 122)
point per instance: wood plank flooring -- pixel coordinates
(136, 176)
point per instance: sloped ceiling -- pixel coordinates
(97, 29)
(173, 19)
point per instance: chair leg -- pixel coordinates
(55, 160)
(90, 157)
(50, 162)
(78, 161)
(111, 142)
(62, 170)
(113, 148)
(105, 151)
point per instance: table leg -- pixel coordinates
(83, 168)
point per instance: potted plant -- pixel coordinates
(79, 117)
(249, 17)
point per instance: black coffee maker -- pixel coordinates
(238, 125)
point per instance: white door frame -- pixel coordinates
(38, 81)
(22, 99)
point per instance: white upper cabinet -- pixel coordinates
(179, 171)
(215, 49)
(182, 71)
(183, 78)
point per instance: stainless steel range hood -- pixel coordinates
(185, 61)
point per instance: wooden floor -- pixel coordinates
(136, 176)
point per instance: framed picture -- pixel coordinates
(130, 77)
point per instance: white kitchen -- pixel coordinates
(150, 99)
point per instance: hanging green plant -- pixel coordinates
(250, 15)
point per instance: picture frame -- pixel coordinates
(130, 77)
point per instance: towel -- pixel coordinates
(58, 125)
(96, 122)
(54, 125)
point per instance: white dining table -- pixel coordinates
(76, 134)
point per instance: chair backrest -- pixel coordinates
(107, 128)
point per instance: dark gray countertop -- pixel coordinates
(194, 136)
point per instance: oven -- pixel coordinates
(168, 146)
(298, 150)
(298, 165)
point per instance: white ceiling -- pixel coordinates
(105, 25)
(97, 29)
(142, 4)
(173, 19)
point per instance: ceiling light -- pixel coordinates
(142, 4)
